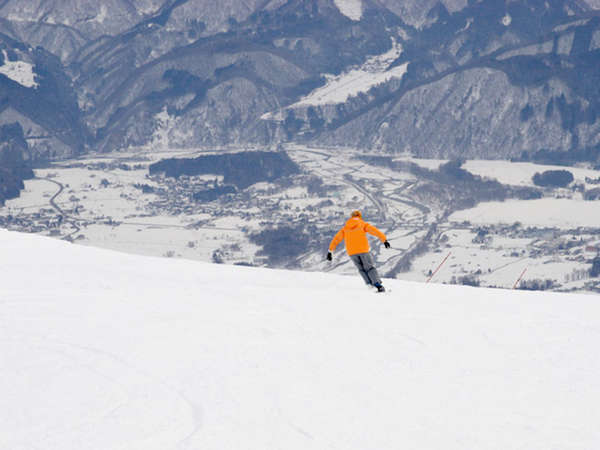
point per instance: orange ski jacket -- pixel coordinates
(354, 232)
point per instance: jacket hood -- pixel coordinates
(353, 223)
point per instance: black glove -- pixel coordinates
(387, 244)
(329, 256)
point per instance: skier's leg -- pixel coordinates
(369, 268)
(356, 259)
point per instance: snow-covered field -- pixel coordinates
(116, 214)
(521, 173)
(549, 212)
(501, 265)
(114, 351)
(508, 172)
(111, 212)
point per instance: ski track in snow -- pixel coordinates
(114, 351)
(137, 396)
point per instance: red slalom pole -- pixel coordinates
(438, 268)
(520, 276)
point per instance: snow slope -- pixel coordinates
(20, 71)
(374, 71)
(340, 88)
(102, 350)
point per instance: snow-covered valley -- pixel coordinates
(110, 201)
(107, 350)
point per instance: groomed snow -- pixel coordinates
(19, 71)
(350, 8)
(103, 350)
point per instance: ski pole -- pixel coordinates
(438, 268)
(519, 279)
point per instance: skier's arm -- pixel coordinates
(375, 232)
(339, 237)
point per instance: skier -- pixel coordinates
(354, 232)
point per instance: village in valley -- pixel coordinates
(452, 231)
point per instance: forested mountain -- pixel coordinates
(13, 163)
(488, 79)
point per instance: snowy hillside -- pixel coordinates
(19, 71)
(102, 350)
(373, 72)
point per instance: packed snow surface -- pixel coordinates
(102, 350)
(19, 71)
(350, 8)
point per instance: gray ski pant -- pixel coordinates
(366, 267)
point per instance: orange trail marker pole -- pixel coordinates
(520, 276)
(438, 268)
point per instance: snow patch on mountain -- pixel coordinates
(167, 131)
(103, 14)
(19, 71)
(339, 89)
(373, 72)
(350, 8)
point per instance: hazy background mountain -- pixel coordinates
(486, 79)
